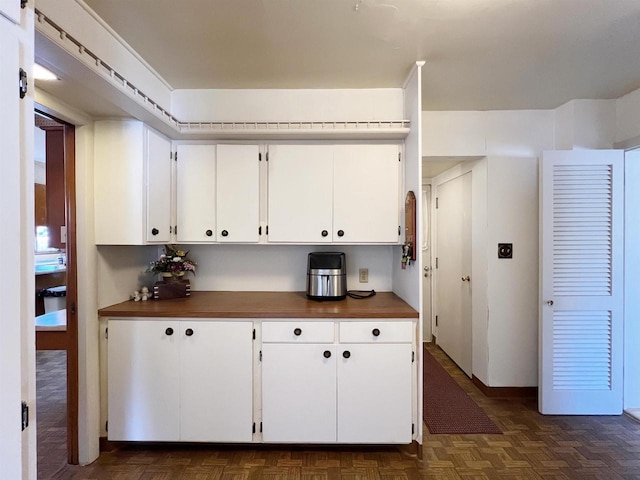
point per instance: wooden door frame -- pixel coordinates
(72, 288)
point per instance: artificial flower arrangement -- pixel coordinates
(173, 262)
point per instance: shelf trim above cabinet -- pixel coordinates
(317, 130)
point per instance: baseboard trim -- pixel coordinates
(497, 392)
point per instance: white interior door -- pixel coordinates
(425, 239)
(581, 326)
(11, 345)
(454, 270)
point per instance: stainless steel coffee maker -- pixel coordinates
(326, 276)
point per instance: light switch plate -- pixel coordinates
(505, 250)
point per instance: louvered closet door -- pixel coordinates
(581, 273)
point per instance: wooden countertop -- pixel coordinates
(263, 305)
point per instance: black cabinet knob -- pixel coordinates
(327, 354)
(169, 331)
(188, 332)
(297, 332)
(324, 233)
(375, 332)
(341, 233)
(225, 233)
(346, 354)
(208, 233)
(155, 231)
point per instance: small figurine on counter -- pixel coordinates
(145, 294)
(136, 296)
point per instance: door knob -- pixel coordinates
(327, 354)
(466, 278)
(188, 332)
(550, 303)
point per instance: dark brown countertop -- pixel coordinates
(263, 305)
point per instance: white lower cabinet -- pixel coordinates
(355, 392)
(180, 380)
(316, 381)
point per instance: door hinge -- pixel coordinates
(436, 203)
(260, 355)
(106, 333)
(260, 230)
(436, 262)
(266, 156)
(260, 427)
(413, 428)
(436, 320)
(22, 83)
(399, 156)
(175, 156)
(413, 357)
(253, 430)
(259, 157)
(175, 229)
(266, 230)
(73, 308)
(25, 415)
(106, 425)
(399, 230)
(254, 333)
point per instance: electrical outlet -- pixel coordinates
(364, 275)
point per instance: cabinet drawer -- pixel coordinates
(380, 332)
(298, 332)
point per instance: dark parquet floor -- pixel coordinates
(532, 447)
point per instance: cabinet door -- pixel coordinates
(196, 193)
(366, 194)
(10, 9)
(238, 193)
(119, 183)
(216, 382)
(143, 382)
(298, 393)
(374, 393)
(158, 169)
(300, 193)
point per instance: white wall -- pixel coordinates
(407, 283)
(279, 105)
(282, 267)
(518, 133)
(628, 117)
(632, 281)
(88, 348)
(513, 283)
(504, 200)
(585, 124)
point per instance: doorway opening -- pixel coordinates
(56, 290)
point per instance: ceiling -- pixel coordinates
(480, 54)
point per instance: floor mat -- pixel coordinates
(447, 407)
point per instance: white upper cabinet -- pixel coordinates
(132, 184)
(334, 193)
(217, 193)
(10, 9)
(300, 193)
(366, 193)
(158, 173)
(196, 193)
(238, 193)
